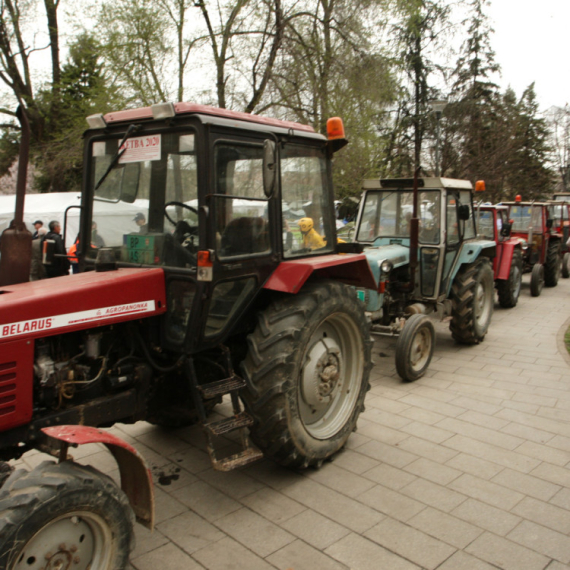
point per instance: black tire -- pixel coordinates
(415, 347)
(307, 372)
(566, 265)
(552, 266)
(509, 289)
(69, 514)
(537, 279)
(472, 300)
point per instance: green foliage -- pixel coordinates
(9, 149)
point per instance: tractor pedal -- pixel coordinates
(245, 457)
(221, 386)
(241, 420)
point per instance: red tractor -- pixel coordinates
(493, 224)
(205, 272)
(531, 221)
(559, 213)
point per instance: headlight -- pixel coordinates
(386, 266)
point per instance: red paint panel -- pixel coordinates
(63, 304)
(353, 269)
(507, 250)
(16, 383)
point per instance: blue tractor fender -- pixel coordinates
(470, 252)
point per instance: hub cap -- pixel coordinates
(421, 349)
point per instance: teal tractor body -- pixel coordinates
(440, 268)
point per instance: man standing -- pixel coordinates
(54, 242)
(37, 224)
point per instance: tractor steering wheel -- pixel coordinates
(181, 205)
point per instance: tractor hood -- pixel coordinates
(396, 253)
(78, 302)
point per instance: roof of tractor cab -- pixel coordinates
(423, 183)
(217, 116)
(528, 203)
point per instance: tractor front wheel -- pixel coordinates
(472, 299)
(552, 265)
(307, 372)
(414, 347)
(537, 279)
(566, 265)
(64, 516)
(509, 290)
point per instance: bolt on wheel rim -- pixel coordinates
(330, 377)
(78, 540)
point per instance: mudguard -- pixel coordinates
(291, 275)
(508, 249)
(470, 251)
(136, 479)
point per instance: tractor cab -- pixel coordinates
(533, 222)
(215, 198)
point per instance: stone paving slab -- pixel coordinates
(467, 468)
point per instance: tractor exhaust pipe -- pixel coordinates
(16, 241)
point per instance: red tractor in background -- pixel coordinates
(559, 213)
(531, 221)
(205, 272)
(493, 224)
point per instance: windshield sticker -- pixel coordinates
(139, 149)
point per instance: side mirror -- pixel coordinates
(506, 229)
(269, 167)
(463, 212)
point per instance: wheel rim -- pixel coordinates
(483, 300)
(331, 376)
(420, 349)
(516, 284)
(79, 540)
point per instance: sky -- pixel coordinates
(531, 43)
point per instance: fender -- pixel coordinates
(352, 269)
(508, 249)
(136, 479)
(471, 251)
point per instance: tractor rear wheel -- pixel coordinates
(509, 289)
(307, 372)
(537, 279)
(65, 516)
(414, 347)
(552, 265)
(566, 265)
(472, 299)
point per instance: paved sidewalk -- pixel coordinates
(465, 469)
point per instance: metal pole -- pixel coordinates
(437, 141)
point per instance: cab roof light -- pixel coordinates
(163, 110)
(335, 129)
(518, 198)
(480, 186)
(96, 121)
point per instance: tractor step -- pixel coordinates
(221, 386)
(241, 420)
(245, 457)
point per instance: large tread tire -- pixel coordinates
(69, 514)
(414, 348)
(472, 301)
(509, 290)
(303, 411)
(537, 279)
(566, 265)
(552, 267)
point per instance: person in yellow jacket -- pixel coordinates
(311, 238)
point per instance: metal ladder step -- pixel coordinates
(221, 387)
(245, 457)
(220, 427)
